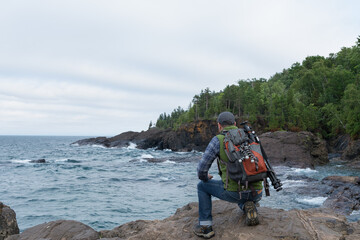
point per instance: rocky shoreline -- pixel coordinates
(293, 149)
(326, 222)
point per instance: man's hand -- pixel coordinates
(210, 176)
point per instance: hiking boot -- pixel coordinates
(204, 231)
(251, 214)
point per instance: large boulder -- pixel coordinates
(294, 149)
(229, 224)
(58, 230)
(8, 223)
(352, 153)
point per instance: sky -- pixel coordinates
(100, 68)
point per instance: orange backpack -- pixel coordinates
(246, 162)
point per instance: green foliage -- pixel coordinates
(319, 95)
(351, 111)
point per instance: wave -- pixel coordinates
(67, 160)
(170, 162)
(304, 170)
(23, 161)
(145, 156)
(98, 146)
(131, 146)
(293, 183)
(316, 201)
(181, 153)
(356, 212)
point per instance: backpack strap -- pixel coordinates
(227, 172)
(218, 165)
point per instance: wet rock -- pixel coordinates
(8, 223)
(58, 230)
(229, 223)
(344, 193)
(38, 161)
(294, 149)
(103, 141)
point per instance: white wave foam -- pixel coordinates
(293, 183)
(98, 146)
(21, 161)
(132, 146)
(62, 160)
(303, 170)
(168, 161)
(181, 153)
(318, 201)
(75, 144)
(356, 212)
(146, 156)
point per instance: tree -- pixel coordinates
(351, 103)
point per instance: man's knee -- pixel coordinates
(200, 185)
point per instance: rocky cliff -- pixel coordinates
(191, 136)
(296, 149)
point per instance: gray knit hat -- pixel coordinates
(226, 118)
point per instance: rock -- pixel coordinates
(229, 223)
(191, 136)
(344, 194)
(294, 149)
(343, 179)
(8, 223)
(103, 141)
(301, 149)
(58, 230)
(352, 154)
(339, 144)
(38, 161)
(348, 149)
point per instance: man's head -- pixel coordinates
(225, 119)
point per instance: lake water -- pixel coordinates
(105, 188)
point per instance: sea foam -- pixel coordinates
(303, 170)
(316, 201)
(132, 145)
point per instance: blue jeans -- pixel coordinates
(216, 188)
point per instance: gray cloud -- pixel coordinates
(104, 67)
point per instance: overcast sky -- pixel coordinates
(99, 68)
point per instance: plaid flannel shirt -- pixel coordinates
(211, 153)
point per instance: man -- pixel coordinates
(228, 191)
